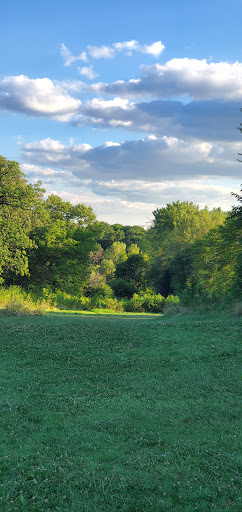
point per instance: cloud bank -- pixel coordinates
(165, 158)
(130, 201)
(195, 79)
(208, 120)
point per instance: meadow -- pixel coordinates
(128, 413)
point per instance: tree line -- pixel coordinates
(54, 247)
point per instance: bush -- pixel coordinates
(149, 303)
(123, 288)
(107, 303)
(17, 307)
(65, 300)
(173, 306)
(19, 303)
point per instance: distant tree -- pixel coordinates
(116, 252)
(107, 268)
(97, 255)
(133, 249)
(108, 234)
(133, 270)
(133, 235)
(123, 288)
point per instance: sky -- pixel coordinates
(124, 106)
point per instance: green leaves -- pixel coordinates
(19, 203)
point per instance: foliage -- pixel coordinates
(118, 233)
(64, 242)
(215, 263)
(63, 300)
(173, 306)
(107, 268)
(116, 252)
(175, 229)
(97, 287)
(149, 303)
(52, 244)
(133, 270)
(123, 288)
(110, 303)
(17, 302)
(19, 206)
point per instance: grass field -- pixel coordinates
(119, 413)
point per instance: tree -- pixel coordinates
(61, 257)
(20, 204)
(133, 270)
(116, 252)
(175, 228)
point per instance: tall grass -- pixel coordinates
(18, 302)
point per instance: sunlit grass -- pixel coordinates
(129, 413)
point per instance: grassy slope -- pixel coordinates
(104, 414)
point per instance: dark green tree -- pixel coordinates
(133, 270)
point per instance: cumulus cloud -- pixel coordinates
(159, 158)
(196, 79)
(209, 120)
(37, 97)
(69, 58)
(88, 72)
(154, 49)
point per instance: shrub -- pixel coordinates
(107, 303)
(172, 306)
(19, 303)
(149, 303)
(65, 300)
(123, 288)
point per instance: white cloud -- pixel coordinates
(37, 97)
(131, 201)
(208, 120)
(159, 158)
(49, 176)
(69, 58)
(75, 86)
(88, 72)
(108, 52)
(196, 79)
(101, 52)
(96, 103)
(127, 45)
(154, 49)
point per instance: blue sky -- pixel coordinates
(124, 106)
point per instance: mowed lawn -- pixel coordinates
(119, 413)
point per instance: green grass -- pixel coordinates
(119, 413)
